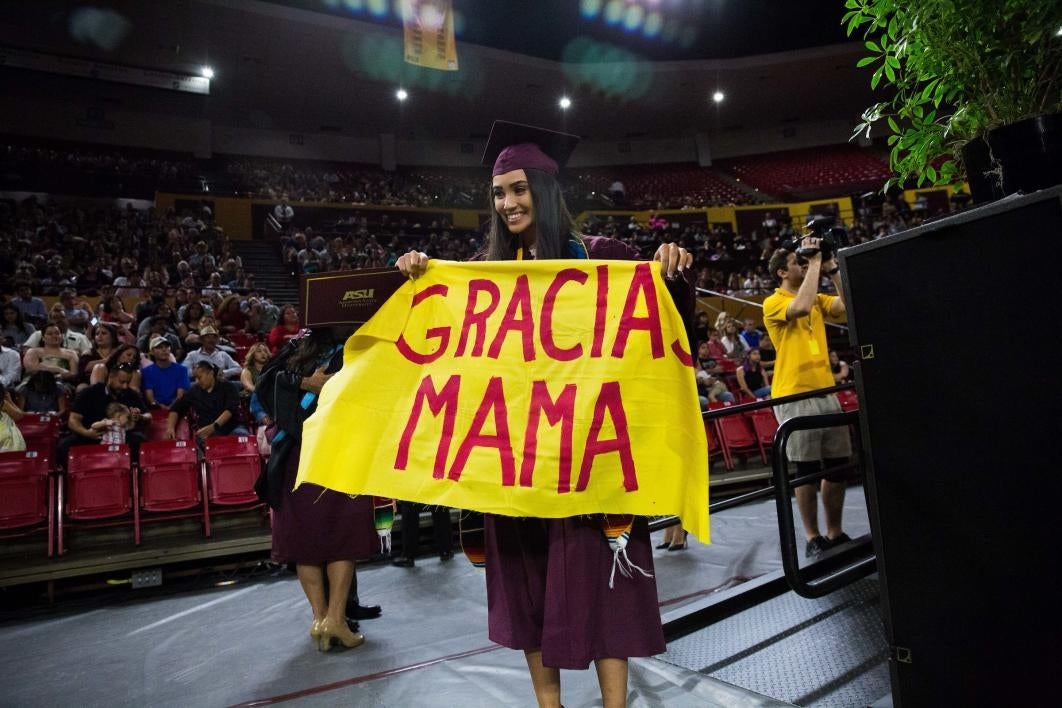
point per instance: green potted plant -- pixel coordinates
(976, 90)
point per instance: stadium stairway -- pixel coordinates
(262, 259)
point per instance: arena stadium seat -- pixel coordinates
(736, 434)
(156, 429)
(764, 424)
(42, 432)
(172, 479)
(242, 342)
(27, 496)
(99, 484)
(233, 464)
(849, 400)
(714, 448)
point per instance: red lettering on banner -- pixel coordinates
(560, 411)
(525, 324)
(493, 400)
(610, 401)
(478, 320)
(683, 356)
(641, 287)
(437, 401)
(545, 330)
(599, 314)
(442, 333)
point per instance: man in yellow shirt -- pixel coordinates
(794, 317)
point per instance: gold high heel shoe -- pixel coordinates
(315, 629)
(339, 632)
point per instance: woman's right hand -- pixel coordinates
(412, 264)
(316, 382)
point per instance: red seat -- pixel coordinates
(242, 343)
(99, 485)
(714, 448)
(849, 400)
(156, 429)
(233, 465)
(41, 432)
(765, 425)
(27, 495)
(172, 479)
(736, 434)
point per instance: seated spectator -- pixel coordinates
(10, 366)
(51, 356)
(767, 352)
(257, 358)
(113, 310)
(214, 402)
(733, 343)
(752, 377)
(164, 381)
(709, 375)
(160, 326)
(190, 324)
(42, 393)
(842, 373)
(78, 313)
(750, 335)
(286, 329)
(124, 354)
(15, 330)
(715, 347)
(150, 307)
(113, 428)
(90, 406)
(163, 312)
(11, 439)
(700, 326)
(230, 317)
(262, 314)
(209, 351)
(104, 342)
(32, 308)
(71, 339)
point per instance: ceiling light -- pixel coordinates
(565, 103)
(718, 96)
(401, 94)
(207, 72)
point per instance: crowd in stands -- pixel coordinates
(95, 160)
(732, 182)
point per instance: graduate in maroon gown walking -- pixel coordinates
(548, 580)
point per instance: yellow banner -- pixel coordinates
(429, 34)
(526, 388)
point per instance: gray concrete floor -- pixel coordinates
(247, 643)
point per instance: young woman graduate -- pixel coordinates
(548, 589)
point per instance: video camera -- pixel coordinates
(830, 237)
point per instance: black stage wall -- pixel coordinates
(958, 339)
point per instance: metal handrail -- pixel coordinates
(772, 402)
(801, 581)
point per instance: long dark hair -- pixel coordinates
(553, 222)
(310, 349)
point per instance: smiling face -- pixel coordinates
(51, 336)
(512, 200)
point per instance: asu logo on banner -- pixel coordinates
(527, 388)
(429, 34)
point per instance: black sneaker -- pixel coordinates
(815, 547)
(839, 541)
(403, 562)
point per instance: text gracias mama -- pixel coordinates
(520, 320)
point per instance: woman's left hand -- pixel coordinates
(673, 259)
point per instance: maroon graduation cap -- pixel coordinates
(514, 146)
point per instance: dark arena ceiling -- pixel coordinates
(633, 69)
